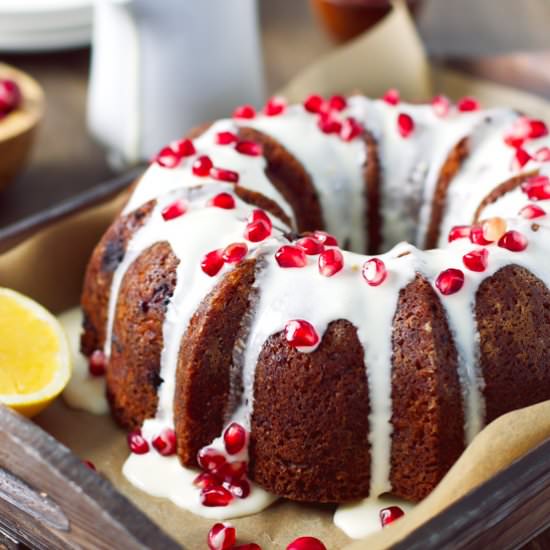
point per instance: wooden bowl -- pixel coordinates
(18, 128)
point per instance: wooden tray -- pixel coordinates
(50, 500)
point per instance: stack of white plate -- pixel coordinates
(41, 25)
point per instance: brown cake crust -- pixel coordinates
(105, 258)
(373, 197)
(513, 319)
(290, 178)
(310, 424)
(449, 169)
(204, 362)
(133, 371)
(428, 417)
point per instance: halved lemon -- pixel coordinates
(35, 363)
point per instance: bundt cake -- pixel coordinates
(223, 299)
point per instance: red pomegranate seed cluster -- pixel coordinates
(204, 167)
(137, 443)
(310, 245)
(258, 226)
(374, 272)
(476, 260)
(97, 363)
(165, 442)
(405, 125)
(441, 105)
(537, 188)
(329, 116)
(172, 155)
(390, 514)
(525, 129)
(222, 200)
(174, 210)
(222, 481)
(325, 238)
(275, 106)
(330, 262)
(223, 536)
(301, 334)
(244, 147)
(306, 543)
(10, 96)
(213, 261)
(450, 281)
(468, 104)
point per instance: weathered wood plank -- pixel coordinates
(49, 499)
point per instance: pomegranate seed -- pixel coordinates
(244, 111)
(493, 228)
(390, 514)
(459, 232)
(222, 200)
(301, 334)
(250, 148)
(306, 543)
(239, 488)
(477, 236)
(532, 211)
(391, 97)
(329, 124)
(183, 147)
(174, 210)
(537, 129)
(210, 460)
(137, 443)
(168, 158)
(542, 154)
(374, 272)
(222, 536)
(468, 104)
(257, 231)
(330, 262)
(231, 471)
(521, 158)
(202, 166)
(537, 188)
(326, 238)
(405, 125)
(513, 241)
(290, 256)
(215, 497)
(10, 96)
(205, 480)
(226, 138)
(222, 174)
(441, 105)
(165, 442)
(249, 546)
(212, 262)
(275, 106)
(523, 129)
(234, 253)
(89, 464)
(337, 103)
(350, 129)
(97, 363)
(314, 104)
(310, 245)
(260, 215)
(476, 260)
(450, 281)
(234, 438)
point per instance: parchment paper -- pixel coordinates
(49, 266)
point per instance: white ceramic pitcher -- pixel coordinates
(159, 67)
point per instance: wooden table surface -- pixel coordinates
(65, 160)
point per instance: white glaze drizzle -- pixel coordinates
(287, 294)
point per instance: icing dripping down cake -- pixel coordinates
(233, 295)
